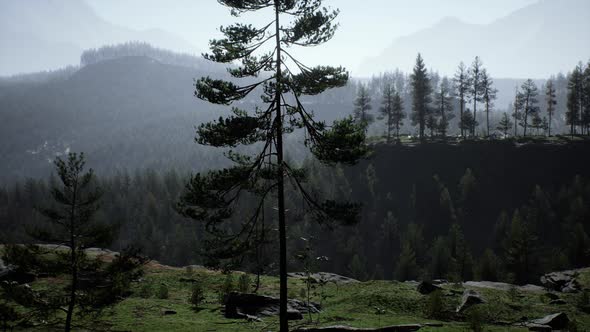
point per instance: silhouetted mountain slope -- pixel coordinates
(128, 112)
(535, 41)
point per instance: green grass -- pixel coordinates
(352, 304)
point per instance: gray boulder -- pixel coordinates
(244, 306)
(558, 321)
(563, 281)
(426, 288)
(469, 299)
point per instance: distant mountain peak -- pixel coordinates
(553, 32)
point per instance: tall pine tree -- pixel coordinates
(476, 89)
(462, 84)
(528, 101)
(488, 96)
(551, 99)
(213, 198)
(575, 99)
(77, 200)
(362, 106)
(421, 95)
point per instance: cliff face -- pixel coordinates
(505, 176)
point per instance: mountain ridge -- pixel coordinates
(543, 30)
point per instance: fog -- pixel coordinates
(373, 37)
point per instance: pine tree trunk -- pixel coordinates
(488, 118)
(461, 116)
(284, 323)
(73, 260)
(474, 114)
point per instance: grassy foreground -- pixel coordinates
(352, 304)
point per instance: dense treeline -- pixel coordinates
(461, 212)
(110, 52)
(448, 106)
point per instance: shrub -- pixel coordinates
(435, 306)
(226, 288)
(244, 283)
(145, 291)
(475, 319)
(197, 294)
(189, 271)
(163, 291)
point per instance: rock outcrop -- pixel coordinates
(246, 306)
(558, 321)
(469, 299)
(563, 281)
(323, 277)
(426, 288)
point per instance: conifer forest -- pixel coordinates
(294, 165)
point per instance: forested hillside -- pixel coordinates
(453, 205)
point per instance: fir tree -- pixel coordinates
(444, 106)
(362, 106)
(398, 114)
(551, 99)
(213, 198)
(77, 200)
(407, 268)
(575, 99)
(421, 95)
(476, 90)
(504, 125)
(586, 98)
(529, 101)
(519, 246)
(462, 84)
(488, 96)
(387, 109)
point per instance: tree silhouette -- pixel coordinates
(362, 106)
(551, 99)
(462, 84)
(213, 198)
(529, 101)
(421, 95)
(489, 95)
(76, 201)
(476, 89)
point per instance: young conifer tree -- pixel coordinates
(421, 95)
(387, 109)
(476, 89)
(261, 54)
(76, 202)
(551, 99)
(504, 125)
(462, 85)
(489, 95)
(362, 106)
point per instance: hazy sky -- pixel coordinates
(368, 25)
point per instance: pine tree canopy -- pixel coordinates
(260, 56)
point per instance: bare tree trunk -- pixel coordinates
(284, 323)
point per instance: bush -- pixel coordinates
(226, 288)
(434, 306)
(197, 294)
(189, 271)
(145, 291)
(163, 292)
(244, 283)
(475, 319)
(583, 301)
